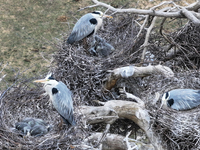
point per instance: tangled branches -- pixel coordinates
(86, 77)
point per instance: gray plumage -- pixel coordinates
(181, 99)
(61, 98)
(33, 126)
(87, 25)
(38, 130)
(82, 29)
(20, 126)
(62, 101)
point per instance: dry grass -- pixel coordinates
(31, 28)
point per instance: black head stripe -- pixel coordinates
(166, 95)
(93, 21)
(51, 78)
(54, 91)
(96, 12)
(170, 102)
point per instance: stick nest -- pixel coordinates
(85, 74)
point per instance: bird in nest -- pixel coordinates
(86, 26)
(181, 99)
(61, 98)
(33, 126)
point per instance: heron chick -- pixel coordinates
(33, 126)
(61, 98)
(86, 26)
(181, 99)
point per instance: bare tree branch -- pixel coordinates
(147, 39)
(132, 111)
(190, 16)
(194, 6)
(177, 13)
(133, 71)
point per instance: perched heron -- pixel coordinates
(61, 98)
(87, 25)
(181, 99)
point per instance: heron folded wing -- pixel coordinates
(186, 99)
(82, 28)
(63, 103)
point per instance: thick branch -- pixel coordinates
(190, 16)
(194, 6)
(129, 110)
(101, 114)
(113, 141)
(140, 11)
(178, 13)
(129, 95)
(132, 71)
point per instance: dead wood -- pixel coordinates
(133, 71)
(178, 12)
(117, 142)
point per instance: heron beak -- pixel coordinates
(161, 105)
(163, 101)
(107, 16)
(41, 80)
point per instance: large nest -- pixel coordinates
(85, 75)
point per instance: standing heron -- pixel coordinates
(86, 26)
(181, 99)
(61, 98)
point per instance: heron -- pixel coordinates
(38, 130)
(181, 99)
(23, 126)
(61, 98)
(86, 26)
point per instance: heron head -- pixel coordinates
(165, 97)
(48, 81)
(100, 14)
(48, 78)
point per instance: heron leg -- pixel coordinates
(60, 124)
(85, 44)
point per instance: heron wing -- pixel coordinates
(185, 99)
(63, 103)
(82, 29)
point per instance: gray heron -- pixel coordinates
(61, 98)
(86, 26)
(181, 99)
